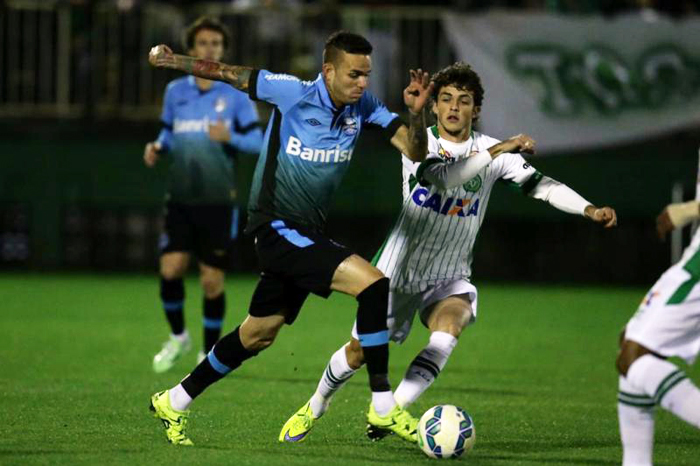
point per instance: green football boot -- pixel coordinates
(398, 421)
(174, 421)
(172, 350)
(298, 426)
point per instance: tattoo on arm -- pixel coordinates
(237, 76)
(417, 136)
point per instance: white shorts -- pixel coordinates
(668, 320)
(403, 306)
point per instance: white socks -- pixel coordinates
(179, 399)
(635, 412)
(337, 372)
(425, 368)
(652, 381)
(383, 402)
(419, 376)
(668, 386)
(182, 337)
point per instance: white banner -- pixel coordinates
(580, 82)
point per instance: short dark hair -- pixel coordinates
(208, 23)
(348, 42)
(461, 76)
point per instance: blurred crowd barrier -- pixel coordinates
(60, 59)
(78, 101)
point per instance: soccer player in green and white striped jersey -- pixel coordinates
(428, 253)
(666, 324)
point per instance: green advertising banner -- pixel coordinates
(582, 82)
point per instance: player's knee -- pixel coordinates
(261, 335)
(453, 328)
(172, 270)
(354, 354)
(212, 284)
(262, 343)
(375, 278)
(452, 319)
(629, 352)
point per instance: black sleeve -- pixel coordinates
(389, 131)
(421, 170)
(253, 84)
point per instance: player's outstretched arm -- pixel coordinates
(413, 141)
(563, 198)
(676, 216)
(161, 56)
(557, 194)
(447, 176)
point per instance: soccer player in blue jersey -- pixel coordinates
(205, 124)
(308, 146)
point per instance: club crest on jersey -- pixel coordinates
(444, 154)
(220, 105)
(451, 206)
(473, 185)
(349, 125)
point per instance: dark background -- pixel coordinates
(75, 195)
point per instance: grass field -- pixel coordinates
(536, 373)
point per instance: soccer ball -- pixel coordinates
(446, 431)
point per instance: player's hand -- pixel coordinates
(219, 132)
(522, 143)
(664, 225)
(161, 56)
(416, 95)
(676, 216)
(603, 215)
(150, 153)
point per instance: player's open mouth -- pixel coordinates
(452, 119)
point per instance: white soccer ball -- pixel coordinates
(446, 431)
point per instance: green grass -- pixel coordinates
(535, 372)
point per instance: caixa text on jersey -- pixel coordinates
(451, 206)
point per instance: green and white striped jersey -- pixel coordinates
(433, 238)
(692, 250)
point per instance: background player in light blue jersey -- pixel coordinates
(308, 146)
(205, 124)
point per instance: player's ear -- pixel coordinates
(328, 70)
(434, 108)
(475, 113)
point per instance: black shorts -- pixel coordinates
(294, 261)
(206, 230)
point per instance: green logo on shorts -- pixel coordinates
(473, 185)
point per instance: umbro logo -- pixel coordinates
(313, 122)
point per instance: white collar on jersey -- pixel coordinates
(453, 150)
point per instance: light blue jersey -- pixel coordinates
(202, 170)
(308, 147)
